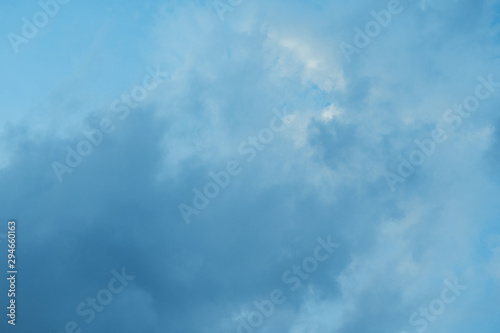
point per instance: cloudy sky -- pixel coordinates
(251, 166)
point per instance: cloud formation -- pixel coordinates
(347, 125)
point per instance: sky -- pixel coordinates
(243, 166)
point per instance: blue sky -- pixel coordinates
(329, 130)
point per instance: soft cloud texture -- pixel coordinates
(323, 175)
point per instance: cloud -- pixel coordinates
(348, 123)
